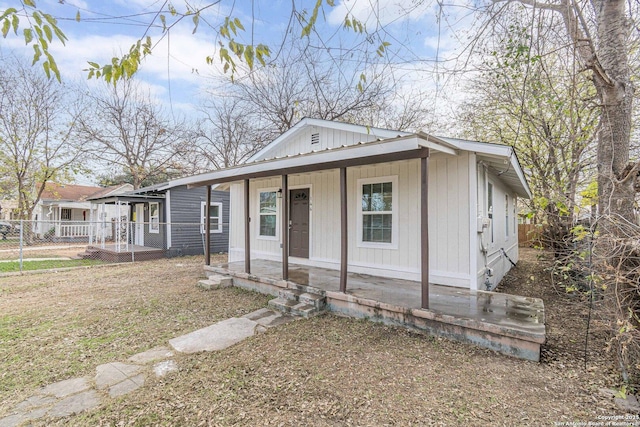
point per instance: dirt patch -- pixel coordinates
(324, 371)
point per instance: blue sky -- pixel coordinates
(177, 71)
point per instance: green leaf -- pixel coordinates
(28, 35)
(164, 22)
(248, 56)
(37, 17)
(37, 53)
(9, 11)
(29, 3)
(78, 16)
(47, 32)
(196, 21)
(15, 21)
(238, 24)
(6, 25)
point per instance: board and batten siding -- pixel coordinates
(186, 205)
(327, 138)
(494, 258)
(448, 210)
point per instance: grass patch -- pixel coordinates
(13, 266)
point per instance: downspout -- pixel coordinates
(484, 226)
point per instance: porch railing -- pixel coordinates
(72, 230)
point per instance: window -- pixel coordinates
(268, 214)
(65, 214)
(514, 217)
(377, 212)
(506, 215)
(215, 217)
(490, 208)
(154, 217)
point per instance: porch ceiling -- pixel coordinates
(403, 148)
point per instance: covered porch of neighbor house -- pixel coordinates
(510, 324)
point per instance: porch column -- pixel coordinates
(207, 228)
(424, 229)
(247, 229)
(344, 242)
(285, 227)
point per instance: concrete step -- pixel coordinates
(291, 294)
(283, 305)
(306, 289)
(304, 310)
(317, 301)
(215, 282)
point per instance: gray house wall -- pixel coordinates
(185, 205)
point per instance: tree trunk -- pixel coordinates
(615, 92)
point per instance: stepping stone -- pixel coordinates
(127, 386)
(215, 337)
(157, 353)
(113, 373)
(66, 387)
(74, 404)
(36, 401)
(163, 368)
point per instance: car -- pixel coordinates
(6, 228)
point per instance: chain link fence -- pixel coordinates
(27, 245)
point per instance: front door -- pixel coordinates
(139, 224)
(299, 223)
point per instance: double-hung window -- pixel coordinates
(377, 216)
(154, 217)
(215, 217)
(268, 212)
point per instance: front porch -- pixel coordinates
(509, 324)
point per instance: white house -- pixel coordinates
(64, 210)
(375, 201)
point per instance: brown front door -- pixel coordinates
(299, 223)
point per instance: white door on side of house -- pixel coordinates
(139, 224)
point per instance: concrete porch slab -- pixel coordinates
(510, 324)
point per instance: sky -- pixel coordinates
(424, 40)
(177, 72)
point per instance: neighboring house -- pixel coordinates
(64, 212)
(9, 211)
(378, 185)
(171, 217)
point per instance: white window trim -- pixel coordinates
(394, 212)
(215, 228)
(507, 217)
(151, 223)
(257, 198)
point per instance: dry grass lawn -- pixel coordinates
(326, 371)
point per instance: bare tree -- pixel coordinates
(36, 126)
(228, 134)
(126, 129)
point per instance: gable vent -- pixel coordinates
(315, 138)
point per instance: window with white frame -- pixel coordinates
(215, 217)
(154, 217)
(377, 212)
(268, 212)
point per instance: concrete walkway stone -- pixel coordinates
(113, 373)
(74, 404)
(157, 353)
(164, 368)
(126, 386)
(76, 395)
(66, 387)
(215, 337)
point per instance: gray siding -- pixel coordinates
(186, 238)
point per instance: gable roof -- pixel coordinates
(306, 122)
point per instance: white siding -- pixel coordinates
(329, 138)
(448, 211)
(495, 258)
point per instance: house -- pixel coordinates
(64, 212)
(170, 218)
(472, 190)
(405, 229)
